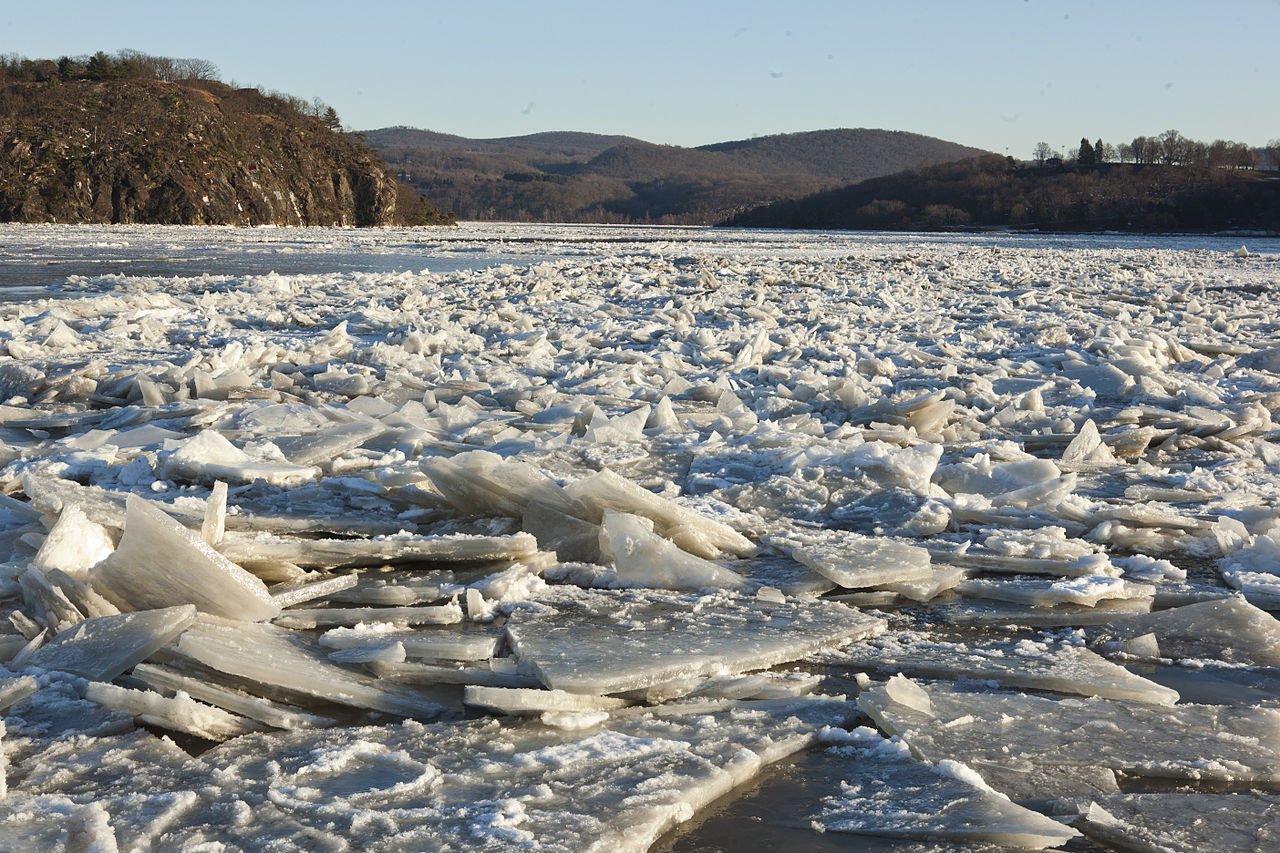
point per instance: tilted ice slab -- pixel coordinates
(254, 707)
(1184, 823)
(160, 563)
(691, 531)
(178, 713)
(900, 796)
(402, 548)
(1050, 666)
(1201, 742)
(74, 544)
(1227, 629)
(645, 559)
(209, 456)
(102, 648)
(594, 642)
(281, 658)
(854, 561)
(613, 786)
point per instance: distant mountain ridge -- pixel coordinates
(585, 177)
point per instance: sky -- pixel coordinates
(996, 74)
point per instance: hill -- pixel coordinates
(106, 140)
(582, 177)
(997, 191)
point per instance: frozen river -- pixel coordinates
(569, 538)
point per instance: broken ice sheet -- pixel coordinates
(160, 563)
(178, 713)
(101, 648)
(1191, 742)
(607, 642)
(278, 657)
(645, 559)
(209, 457)
(458, 645)
(401, 548)
(902, 797)
(690, 531)
(615, 786)
(854, 561)
(1084, 591)
(1183, 822)
(1050, 665)
(1062, 616)
(1228, 629)
(162, 678)
(326, 617)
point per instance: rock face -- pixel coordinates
(188, 153)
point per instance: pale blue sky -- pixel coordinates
(999, 74)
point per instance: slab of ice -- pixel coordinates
(1197, 742)
(1053, 666)
(328, 443)
(327, 617)
(102, 648)
(14, 689)
(899, 796)
(691, 531)
(311, 587)
(214, 526)
(514, 701)
(598, 642)
(410, 672)
(209, 457)
(434, 645)
(1227, 629)
(854, 561)
(160, 563)
(278, 657)
(615, 786)
(178, 713)
(1184, 823)
(645, 559)
(402, 548)
(161, 678)
(1084, 591)
(74, 544)
(1062, 616)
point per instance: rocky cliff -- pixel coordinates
(186, 153)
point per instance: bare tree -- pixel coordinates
(1042, 152)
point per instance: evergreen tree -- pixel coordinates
(1086, 156)
(1099, 151)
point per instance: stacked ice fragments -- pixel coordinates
(551, 555)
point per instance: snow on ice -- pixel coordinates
(535, 537)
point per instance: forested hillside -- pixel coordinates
(581, 177)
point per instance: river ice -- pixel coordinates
(539, 537)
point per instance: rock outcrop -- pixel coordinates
(184, 153)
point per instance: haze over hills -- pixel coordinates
(571, 176)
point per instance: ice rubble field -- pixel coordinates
(549, 555)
